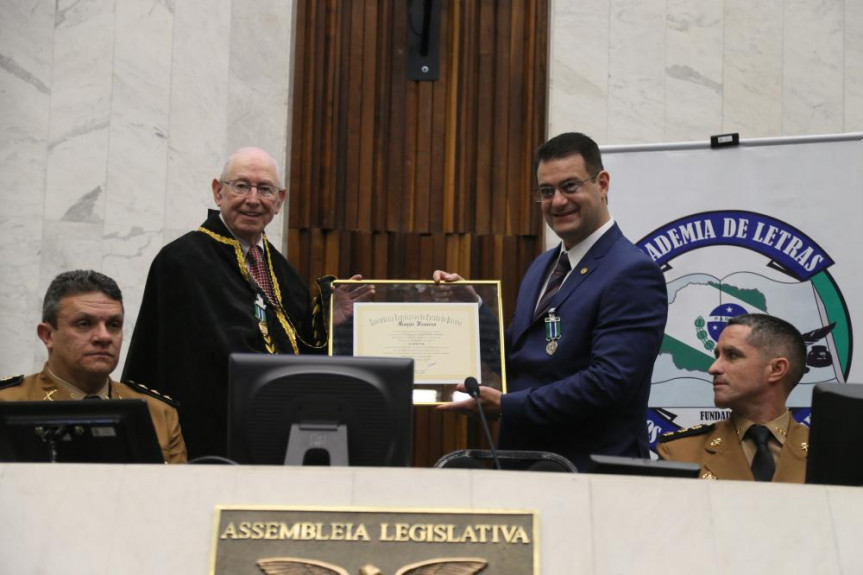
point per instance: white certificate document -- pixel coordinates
(442, 338)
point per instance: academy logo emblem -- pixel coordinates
(721, 264)
(718, 318)
(708, 331)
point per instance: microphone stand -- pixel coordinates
(472, 388)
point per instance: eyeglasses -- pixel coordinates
(567, 188)
(244, 188)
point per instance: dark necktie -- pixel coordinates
(763, 466)
(259, 271)
(554, 282)
(91, 397)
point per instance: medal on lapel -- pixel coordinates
(261, 316)
(552, 332)
(260, 309)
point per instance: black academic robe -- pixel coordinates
(198, 308)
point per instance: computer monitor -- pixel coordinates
(320, 410)
(509, 459)
(835, 453)
(619, 465)
(111, 431)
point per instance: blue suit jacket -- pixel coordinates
(591, 395)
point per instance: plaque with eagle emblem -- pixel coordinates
(440, 566)
(386, 541)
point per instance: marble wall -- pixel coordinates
(115, 115)
(660, 71)
(649, 71)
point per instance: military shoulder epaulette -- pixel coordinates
(152, 393)
(686, 432)
(11, 381)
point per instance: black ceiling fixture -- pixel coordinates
(423, 39)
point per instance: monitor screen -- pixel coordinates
(835, 438)
(111, 431)
(619, 465)
(324, 410)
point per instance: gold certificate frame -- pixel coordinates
(452, 331)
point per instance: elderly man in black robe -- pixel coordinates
(221, 289)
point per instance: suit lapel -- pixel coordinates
(588, 264)
(723, 454)
(535, 278)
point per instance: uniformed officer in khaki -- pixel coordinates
(82, 328)
(759, 360)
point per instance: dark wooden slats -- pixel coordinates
(372, 151)
(393, 178)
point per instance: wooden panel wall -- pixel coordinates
(393, 178)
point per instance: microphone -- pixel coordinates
(471, 386)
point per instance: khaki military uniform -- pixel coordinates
(44, 387)
(719, 451)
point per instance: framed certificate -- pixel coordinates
(452, 331)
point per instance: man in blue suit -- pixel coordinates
(588, 323)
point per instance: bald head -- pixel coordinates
(249, 193)
(250, 154)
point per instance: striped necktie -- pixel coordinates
(554, 282)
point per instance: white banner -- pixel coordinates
(772, 226)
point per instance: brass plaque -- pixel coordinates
(348, 541)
